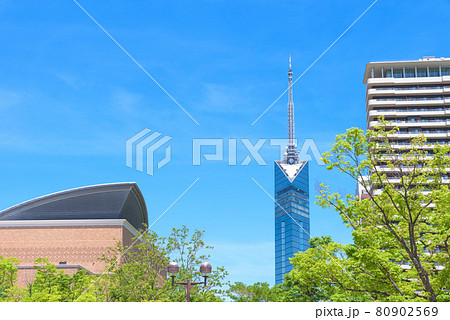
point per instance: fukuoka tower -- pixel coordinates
(292, 199)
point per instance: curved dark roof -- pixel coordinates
(105, 201)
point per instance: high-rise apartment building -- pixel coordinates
(414, 96)
(292, 200)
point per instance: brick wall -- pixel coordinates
(74, 245)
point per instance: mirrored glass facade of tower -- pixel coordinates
(292, 203)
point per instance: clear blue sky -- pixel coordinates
(70, 98)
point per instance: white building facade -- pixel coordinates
(414, 96)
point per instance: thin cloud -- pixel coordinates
(221, 98)
(9, 99)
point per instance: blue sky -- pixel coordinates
(70, 98)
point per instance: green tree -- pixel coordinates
(316, 242)
(302, 283)
(258, 292)
(136, 273)
(8, 275)
(401, 232)
(51, 285)
(188, 250)
(291, 290)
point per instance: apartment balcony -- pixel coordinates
(384, 103)
(377, 192)
(432, 101)
(407, 81)
(385, 169)
(374, 114)
(394, 102)
(414, 124)
(407, 146)
(397, 181)
(372, 93)
(398, 156)
(435, 135)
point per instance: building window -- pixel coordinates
(398, 73)
(410, 73)
(388, 74)
(434, 72)
(422, 72)
(63, 262)
(446, 71)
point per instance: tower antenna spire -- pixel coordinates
(291, 155)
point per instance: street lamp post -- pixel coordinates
(173, 269)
